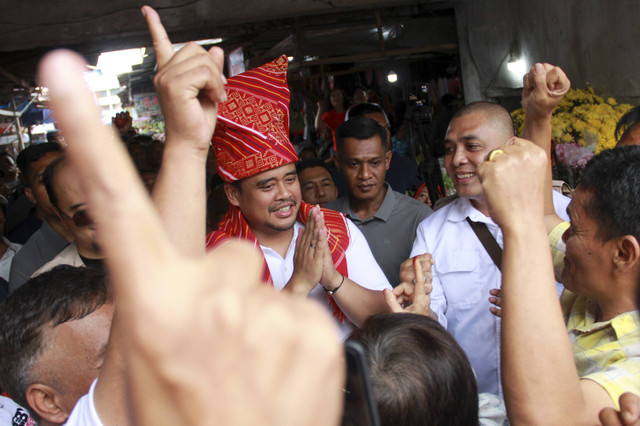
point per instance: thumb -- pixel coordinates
(214, 88)
(392, 303)
(539, 77)
(218, 57)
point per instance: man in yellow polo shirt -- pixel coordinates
(549, 379)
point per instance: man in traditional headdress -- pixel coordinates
(307, 250)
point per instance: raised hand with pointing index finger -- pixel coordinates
(189, 83)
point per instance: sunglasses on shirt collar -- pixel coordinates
(80, 218)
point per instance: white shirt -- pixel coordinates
(463, 274)
(362, 267)
(84, 412)
(560, 204)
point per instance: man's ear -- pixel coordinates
(29, 193)
(335, 160)
(232, 193)
(387, 160)
(627, 254)
(45, 402)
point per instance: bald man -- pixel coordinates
(463, 270)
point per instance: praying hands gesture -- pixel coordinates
(415, 296)
(313, 265)
(227, 342)
(308, 260)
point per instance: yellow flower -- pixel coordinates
(580, 111)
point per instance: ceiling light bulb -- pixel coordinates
(392, 77)
(516, 66)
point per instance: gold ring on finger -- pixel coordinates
(493, 153)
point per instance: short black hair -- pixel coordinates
(419, 374)
(366, 109)
(217, 202)
(360, 128)
(613, 180)
(33, 153)
(627, 121)
(62, 294)
(48, 177)
(500, 117)
(312, 162)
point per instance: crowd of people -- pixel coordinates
(213, 278)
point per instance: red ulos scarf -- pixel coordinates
(234, 225)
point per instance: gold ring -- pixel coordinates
(493, 153)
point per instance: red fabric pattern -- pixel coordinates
(252, 132)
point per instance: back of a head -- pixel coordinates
(496, 115)
(33, 153)
(360, 128)
(419, 374)
(613, 180)
(63, 294)
(312, 162)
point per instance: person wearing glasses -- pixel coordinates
(65, 193)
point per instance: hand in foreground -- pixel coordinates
(513, 183)
(202, 340)
(415, 296)
(629, 414)
(544, 87)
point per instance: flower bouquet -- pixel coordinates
(583, 125)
